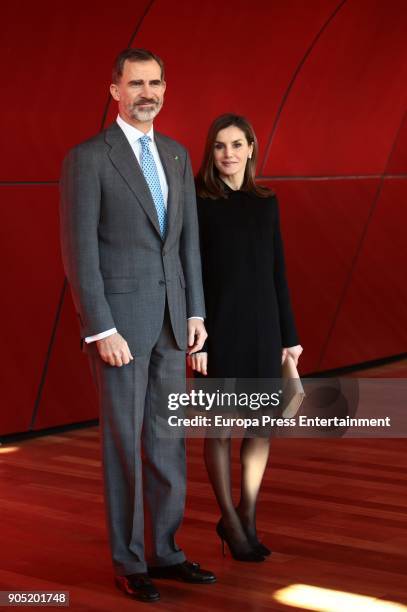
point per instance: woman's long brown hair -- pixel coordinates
(208, 183)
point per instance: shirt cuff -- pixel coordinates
(200, 318)
(100, 336)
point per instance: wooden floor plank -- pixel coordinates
(333, 511)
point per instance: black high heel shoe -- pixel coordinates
(257, 546)
(238, 555)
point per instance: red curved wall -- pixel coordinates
(325, 85)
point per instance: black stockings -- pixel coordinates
(240, 523)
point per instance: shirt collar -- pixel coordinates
(133, 134)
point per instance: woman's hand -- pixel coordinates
(198, 362)
(293, 351)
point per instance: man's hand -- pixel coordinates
(199, 362)
(114, 350)
(293, 351)
(196, 335)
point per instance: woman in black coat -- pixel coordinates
(249, 321)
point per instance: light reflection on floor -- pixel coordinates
(309, 597)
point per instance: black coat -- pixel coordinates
(249, 315)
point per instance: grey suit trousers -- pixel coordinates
(129, 401)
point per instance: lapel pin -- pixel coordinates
(176, 157)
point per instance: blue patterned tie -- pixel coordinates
(149, 169)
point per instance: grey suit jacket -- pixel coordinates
(119, 268)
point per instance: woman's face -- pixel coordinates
(231, 151)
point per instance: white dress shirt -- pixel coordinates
(133, 135)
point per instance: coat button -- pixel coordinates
(161, 282)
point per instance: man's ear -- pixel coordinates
(114, 91)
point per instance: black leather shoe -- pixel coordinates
(186, 572)
(138, 586)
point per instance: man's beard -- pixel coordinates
(141, 114)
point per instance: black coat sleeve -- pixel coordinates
(200, 204)
(288, 330)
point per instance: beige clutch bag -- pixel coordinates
(293, 393)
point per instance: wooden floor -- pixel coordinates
(333, 511)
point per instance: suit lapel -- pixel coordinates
(125, 162)
(170, 163)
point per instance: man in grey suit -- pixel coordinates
(130, 246)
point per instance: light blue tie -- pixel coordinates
(149, 169)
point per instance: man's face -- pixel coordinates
(140, 92)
